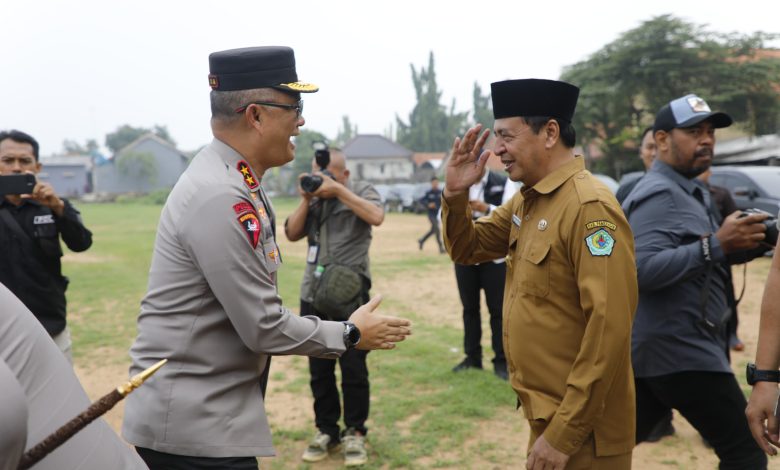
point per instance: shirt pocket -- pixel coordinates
(533, 269)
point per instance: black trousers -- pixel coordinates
(713, 403)
(162, 461)
(354, 386)
(433, 231)
(489, 277)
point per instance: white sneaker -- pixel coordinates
(354, 450)
(319, 448)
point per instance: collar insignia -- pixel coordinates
(249, 177)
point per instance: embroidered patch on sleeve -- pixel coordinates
(249, 177)
(243, 207)
(600, 243)
(251, 225)
(600, 223)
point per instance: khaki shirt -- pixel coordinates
(348, 237)
(569, 301)
(213, 310)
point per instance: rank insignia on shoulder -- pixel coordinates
(251, 225)
(515, 220)
(249, 177)
(600, 223)
(600, 243)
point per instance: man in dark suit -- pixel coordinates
(484, 196)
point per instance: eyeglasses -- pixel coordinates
(298, 107)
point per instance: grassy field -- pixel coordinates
(422, 415)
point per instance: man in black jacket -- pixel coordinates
(30, 229)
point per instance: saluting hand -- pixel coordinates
(378, 331)
(465, 166)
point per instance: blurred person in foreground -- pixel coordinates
(212, 307)
(679, 340)
(571, 277)
(336, 218)
(763, 375)
(37, 381)
(31, 226)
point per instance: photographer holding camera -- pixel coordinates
(336, 215)
(683, 254)
(30, 228)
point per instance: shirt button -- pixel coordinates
(527, 216)
(580, 176)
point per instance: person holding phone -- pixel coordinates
(31, 226)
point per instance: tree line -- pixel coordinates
(622, 85)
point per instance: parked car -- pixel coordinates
(751, 186)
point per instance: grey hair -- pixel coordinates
(225, 103)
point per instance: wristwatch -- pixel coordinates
(351, 335)
(754, 375)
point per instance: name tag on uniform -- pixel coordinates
(314, 250)
(43, 219)
(516, 220)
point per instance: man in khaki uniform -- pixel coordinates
(571, 284)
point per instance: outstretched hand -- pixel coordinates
(761, 418)
(465, 166)
(378, 331)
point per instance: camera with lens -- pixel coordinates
(311, 183)
(770, 222)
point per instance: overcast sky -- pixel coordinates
(78, 69)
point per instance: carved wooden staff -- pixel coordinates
(95, 410)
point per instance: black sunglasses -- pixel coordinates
(298, 107)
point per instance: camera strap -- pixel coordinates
(705, 290)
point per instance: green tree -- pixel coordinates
(431, 126)
(625, 83)
(483, 109)
(346, 132)
(304, 152)
(126, 134)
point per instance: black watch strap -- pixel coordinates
(754, 375)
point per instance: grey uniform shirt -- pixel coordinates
(13, 419)
(213, 310)
(348, 236)
(668, 215)
(54, 396)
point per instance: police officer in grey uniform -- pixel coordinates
(212, 307)
(52, 397)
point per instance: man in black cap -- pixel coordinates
(212, 308)
(571, 277)
(679, 343)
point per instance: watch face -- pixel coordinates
(353, 334)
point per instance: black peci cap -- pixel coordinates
(534, 97)
(686, 112)
(256, 67)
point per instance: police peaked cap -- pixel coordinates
(256, 67)
(534, 97)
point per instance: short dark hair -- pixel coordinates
(568, 134)
(644, 133)
(434, 178)
(22, 138)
